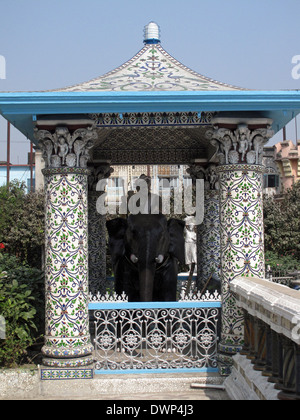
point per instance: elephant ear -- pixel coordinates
(177, 243)
(116, 230)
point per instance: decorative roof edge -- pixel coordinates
(136, 57)
(193, 72)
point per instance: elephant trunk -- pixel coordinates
(146, 284)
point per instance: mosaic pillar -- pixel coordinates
(241, 224)
(97, 233)
(209, 231)
(67, 337)
(198, 172)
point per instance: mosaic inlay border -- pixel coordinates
(65, 171)
(66, 374)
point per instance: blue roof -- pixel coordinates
(22, 108)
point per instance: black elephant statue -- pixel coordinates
(145, 250)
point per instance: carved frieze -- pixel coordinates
(157, 119)
(62, 148)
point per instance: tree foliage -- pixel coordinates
(282, 224)
(22, 223)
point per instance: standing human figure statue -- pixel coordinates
(63, 149)
(243, 136)
(190, 236)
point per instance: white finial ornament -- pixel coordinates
(152, 33)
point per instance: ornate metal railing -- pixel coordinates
(156, 336)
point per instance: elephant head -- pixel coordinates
(145, 251)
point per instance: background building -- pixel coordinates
(287, 158)
(282, 163)
(21, 173)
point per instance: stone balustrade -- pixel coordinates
(268, 367)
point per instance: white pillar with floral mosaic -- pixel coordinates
(67, 337)
(209, 232)
(239, 152)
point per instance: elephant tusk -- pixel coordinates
(159, 259)
(134, 258)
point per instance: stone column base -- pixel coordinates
(225, 357)
(68, 363)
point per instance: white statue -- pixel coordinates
(190, 235)
(63, 149)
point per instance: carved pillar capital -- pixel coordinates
(63, 149)
(211, 178)
(239, 145)
(195, 171)
(98, 172)
(209, 174)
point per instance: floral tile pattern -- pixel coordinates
(66, 253)
(209, 238)
(66, 374)
(97, 247)
(242, 240)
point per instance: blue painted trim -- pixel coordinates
(151, 371)
(19, 107)
(185, 277)
(152, 305)
(152, 41)
(57, 102)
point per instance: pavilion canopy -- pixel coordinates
(151, 82)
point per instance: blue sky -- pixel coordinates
(51, 44)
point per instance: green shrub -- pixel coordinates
(281, 264)
(32, 278)
(16, 307)
(22, 284)
(22, 306)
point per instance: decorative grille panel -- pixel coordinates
(167, 336)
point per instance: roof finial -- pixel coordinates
(152, 33)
